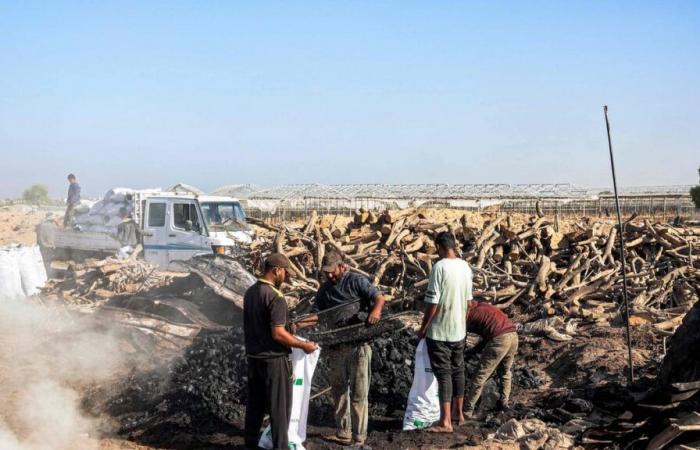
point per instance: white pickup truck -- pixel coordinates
(172, 228)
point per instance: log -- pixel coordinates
(542, 273)
(392, 216)
(382, 268)
(311, 222)
(395, 230)
(414, 246)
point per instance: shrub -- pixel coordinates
(37, 194)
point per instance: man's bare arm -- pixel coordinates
(428, 316)
(376, 314)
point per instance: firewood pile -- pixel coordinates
(93, 280)
(574, 272)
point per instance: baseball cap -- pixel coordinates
(277, 260)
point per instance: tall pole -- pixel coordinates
(630, 374)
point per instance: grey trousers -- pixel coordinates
(350, 377)
(498, 355)
(69, 216)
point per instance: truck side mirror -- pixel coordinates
(188, 225)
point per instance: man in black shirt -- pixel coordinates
(268, 345)
(349, 364)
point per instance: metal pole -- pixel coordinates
(630, 375)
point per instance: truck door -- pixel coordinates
(155, 236)
(187, 236)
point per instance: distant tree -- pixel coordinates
(37, 194)
(695, 193)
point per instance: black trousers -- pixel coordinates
(447, 363)
(269, 391)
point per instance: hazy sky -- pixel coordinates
(147, 93)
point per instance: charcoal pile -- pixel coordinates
(392, 372)
(202, 392)
(393, 356)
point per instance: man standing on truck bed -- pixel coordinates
(268, 345)
(349, 363)
(72, 200)
(498, 346)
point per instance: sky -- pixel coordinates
(152, 93)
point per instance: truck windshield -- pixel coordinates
(224, 216)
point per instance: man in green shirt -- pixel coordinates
(444, 328)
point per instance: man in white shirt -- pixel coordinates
(444, 328)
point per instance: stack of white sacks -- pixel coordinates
(22, 272)
(103, 216)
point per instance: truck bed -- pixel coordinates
(52, 236)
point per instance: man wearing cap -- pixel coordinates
(349, 363)
(268, 345)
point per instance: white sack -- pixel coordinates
(83, 207)
(32, 270)
(423, 406)
(118, 195)
(97, 208)
(303, 367)
(111, 209)
(10, 277)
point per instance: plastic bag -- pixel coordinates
(423, 406)
(303, 367)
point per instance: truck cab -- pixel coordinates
(173, 229)
(225, 219)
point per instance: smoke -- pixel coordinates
(47, 356)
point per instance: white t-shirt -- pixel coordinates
(450, 287)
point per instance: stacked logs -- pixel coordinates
(571, 269)
(92, 280)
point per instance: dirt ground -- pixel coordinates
(18, 223)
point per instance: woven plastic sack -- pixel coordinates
(31, 269)
(303, 367)
(423, 406)
(10, 277)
